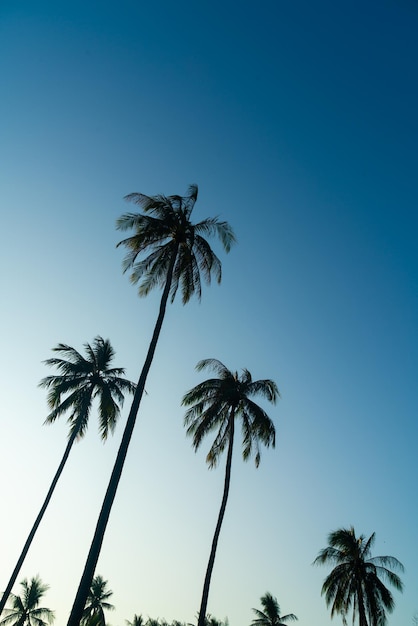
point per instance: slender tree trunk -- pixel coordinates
(96, 544)
(209, 569)
(31, 535)
(361, 609)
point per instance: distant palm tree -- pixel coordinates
(25, 609)
(211, 620)
(270, 615)
(215, 404)
(71, 392)
(138, 620)
(97, 603)
(355, 582)
(152, 621)
(167, 250)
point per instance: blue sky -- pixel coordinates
(298, 122)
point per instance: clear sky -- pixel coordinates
(298, 121)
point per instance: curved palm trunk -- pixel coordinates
(96, 544)
(206, 584)
(38, 520)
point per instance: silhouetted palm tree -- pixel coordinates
(166, 251)
(71, 392)
(355, 582)
(270, 615)
(25, 609)
(211, 620)
(215, 404)
(97, 603)
(138, 620)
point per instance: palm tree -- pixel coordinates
(97, 602)
(270, 615)
(211, 620)
(138, 620)
(71, 391)
(166, 251)
(214, 404)
(25, 609)
(355, 582)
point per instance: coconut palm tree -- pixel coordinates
(270, 615)
(97, 603)
(355, 583)
(166, 250)
(79, 381)
(215, 404)
(137, 620)
(25, 609)
(211, 620)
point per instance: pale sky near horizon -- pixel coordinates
(299, 124)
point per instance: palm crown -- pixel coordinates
(81, 379)
(165, 236)
(355, 582)
(270, 615)
(25, 609)
(97, 602)
(137, 620)
(213, 401)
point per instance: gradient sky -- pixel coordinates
(298, 121)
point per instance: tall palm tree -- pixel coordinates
(270, 615)
(97, 602)
(215, 404)
(25, 609)
(355, 583)
(166, 250)
(72, 391)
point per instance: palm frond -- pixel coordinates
(213, 227)
(192, 193)
(265, 388)
(215, 365)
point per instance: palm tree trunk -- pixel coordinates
(38, 520)
(361, 609)
(96, 544)
(206, 584)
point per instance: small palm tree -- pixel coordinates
(25, 609)
(97, 603)
(355, 583)
(166, 250)
(214, 405)
(270, 615)
(211, 620)
(71, 391)
(138, 620)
